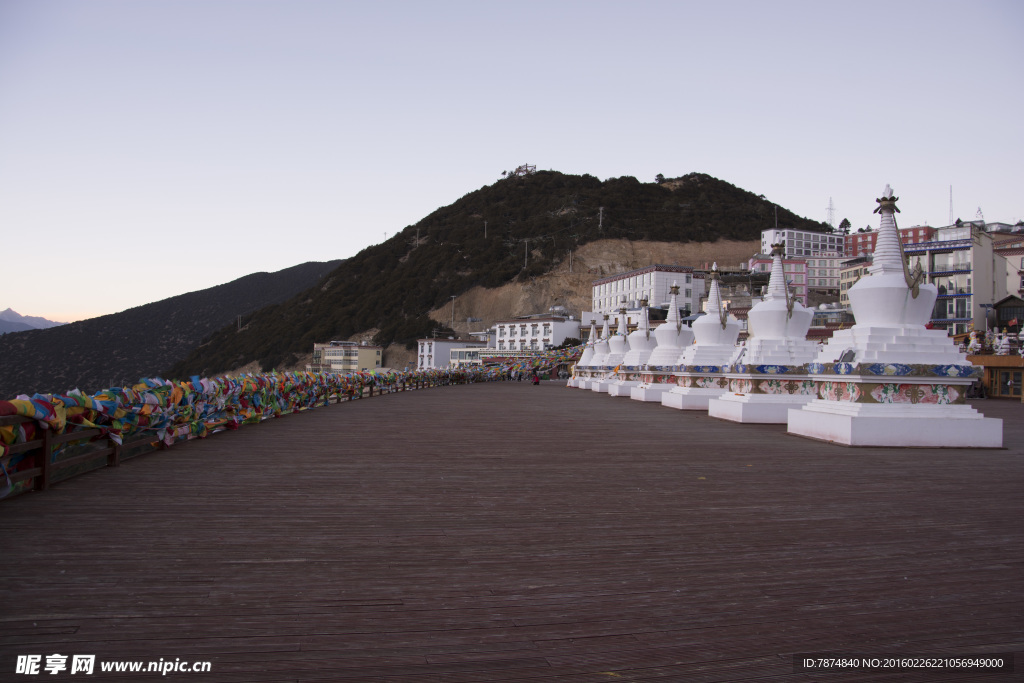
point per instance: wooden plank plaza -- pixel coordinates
(509, 532)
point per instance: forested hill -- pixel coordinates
(536, 218)
(140, 342)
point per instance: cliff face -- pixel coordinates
(573, 290)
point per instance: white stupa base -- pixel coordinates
(649, 393)
(756, 408)
(893, 344)
(621, 388)
(689, 398)
(787, 352)
(601, 386)
(888, 424)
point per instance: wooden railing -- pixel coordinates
(97, 449)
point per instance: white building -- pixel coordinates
(969, 273)
(823, 271)
(802, 242)
(652, 283)
(534, 333)
(436, 353)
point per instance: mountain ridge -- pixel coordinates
(12, 321)
(518, 228)
(142, 341)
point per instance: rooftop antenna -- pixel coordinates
(951, 205)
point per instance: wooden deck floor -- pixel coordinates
(506, 532)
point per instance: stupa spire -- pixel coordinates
(715, 306)
(673, 307)
(777, 279)
(645, 323)
(622, 329)
(888, 257)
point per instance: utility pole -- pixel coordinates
(453, 313)
(600, 217)
(526, 251)
(485, 229)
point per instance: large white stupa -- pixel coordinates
(641, 345)
(672, 337)
(703, 364)
(771, 375)
(888, 380)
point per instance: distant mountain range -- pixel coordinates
(12, 321)
(141, 342)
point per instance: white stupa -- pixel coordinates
(618, 346)
(597, 363)
(588, 349)
(888, 380)
(771, 376)
(703, 364)
(581, 369)
(672, 337)
(641, 345)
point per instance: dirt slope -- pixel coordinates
(573, 290)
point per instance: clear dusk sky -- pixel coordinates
(150, 148)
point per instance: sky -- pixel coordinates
(148, 149)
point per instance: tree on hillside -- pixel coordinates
(659, 179)
(844, 226)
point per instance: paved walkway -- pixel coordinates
(506, 532)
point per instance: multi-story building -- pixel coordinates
(795, 269)
(345, 356)
(436, 353)
(802, 242)
(534, 333)
(823, 271)
(849, 272)
(652, 283)
(969, 273)
(863, 243)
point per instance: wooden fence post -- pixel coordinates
(114, 459)
(46, 450)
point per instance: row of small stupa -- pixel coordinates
(886, 381)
